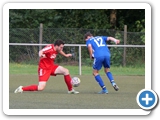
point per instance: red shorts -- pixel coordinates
(44, 74)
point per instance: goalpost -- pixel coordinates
(79, 49)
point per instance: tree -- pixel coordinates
(79, 18)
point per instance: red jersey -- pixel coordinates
(48, 61)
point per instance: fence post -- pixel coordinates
(40, 35)
(80, 65)
(125, 41)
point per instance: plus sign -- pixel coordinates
(147, 99)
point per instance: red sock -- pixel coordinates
(67, 79)
(30, 88)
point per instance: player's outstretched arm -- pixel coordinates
(41, 54)
(64, 54)
(116, 41)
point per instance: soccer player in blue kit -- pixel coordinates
(99, 52)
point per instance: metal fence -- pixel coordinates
(135, 53)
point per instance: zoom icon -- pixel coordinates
(147, 99)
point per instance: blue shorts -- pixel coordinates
(98, 62)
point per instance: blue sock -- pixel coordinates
(110, 77)
(100, 81)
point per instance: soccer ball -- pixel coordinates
(75, 81)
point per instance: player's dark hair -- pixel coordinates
(58, 43)
(87, 34)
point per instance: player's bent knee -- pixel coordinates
(66, 72)
(95, 74)
(106, 70)
(62, 70)
(40, 88)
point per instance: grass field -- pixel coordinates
(130, 81)
(74, 70)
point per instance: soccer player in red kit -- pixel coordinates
(47, 68)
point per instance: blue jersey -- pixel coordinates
(99, 46)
